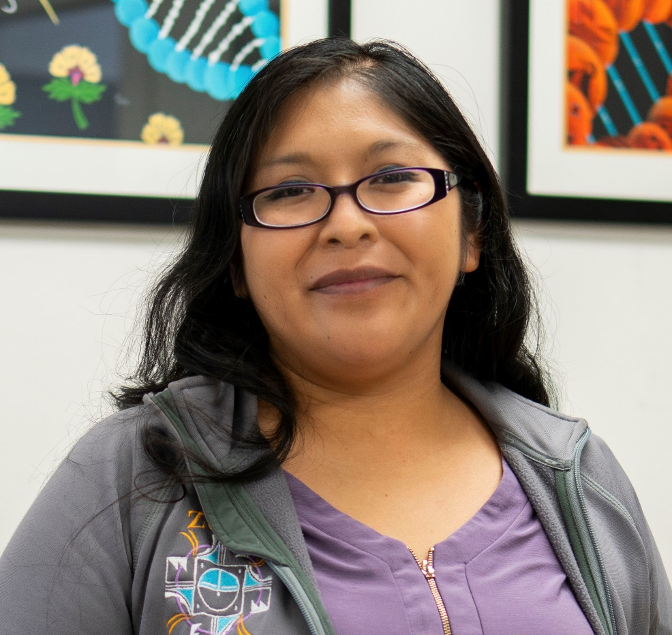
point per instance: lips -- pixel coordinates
(352, 280)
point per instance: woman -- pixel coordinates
(342, 429)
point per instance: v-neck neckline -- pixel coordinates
(465, 543)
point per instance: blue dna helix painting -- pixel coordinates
(213, 46)
(635, 61)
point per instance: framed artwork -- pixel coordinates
(107, 107)
(587, 109)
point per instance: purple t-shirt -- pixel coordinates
(497, 574)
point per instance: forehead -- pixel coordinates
(344, 117)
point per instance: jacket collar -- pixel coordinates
(540, 432)
(216, 414)
(217, 417)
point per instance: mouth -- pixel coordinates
(348, 281)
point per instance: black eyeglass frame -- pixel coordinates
(444, 181)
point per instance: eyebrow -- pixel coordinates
(295, 158)
(300, 158)
(388, 144)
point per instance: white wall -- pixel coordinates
(458, 40)
(68, 296)
(68, 302)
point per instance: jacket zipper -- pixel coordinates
(296, 591)
(573, 507)
(427, 568)
(591, 533)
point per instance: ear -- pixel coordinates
(472, 255)
(237, 276)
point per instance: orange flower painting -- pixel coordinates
(619, 74)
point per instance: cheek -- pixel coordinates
(270, 260)
(257, 272)
(436, 255)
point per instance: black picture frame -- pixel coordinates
(515, 24)
(106, 208)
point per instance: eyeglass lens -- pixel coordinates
(387, 192)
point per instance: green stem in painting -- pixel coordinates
(77, 112)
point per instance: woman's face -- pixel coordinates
(357, 295)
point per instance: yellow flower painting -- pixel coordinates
(7, 88)
(77, 76)
(162, 128)
(7, 97)
(77, 63)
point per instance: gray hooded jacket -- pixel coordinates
(94, 556)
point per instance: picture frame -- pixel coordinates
(47, 177)
(545, 178)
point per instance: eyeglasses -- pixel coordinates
(393, 191)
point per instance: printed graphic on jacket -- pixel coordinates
(215, 590)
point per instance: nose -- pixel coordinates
(348, 224)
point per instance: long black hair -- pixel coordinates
(196, 325)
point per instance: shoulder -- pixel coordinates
(561, 439)
(555, 439)
(98, 474)
(113, 436)
(630, 553)
(93, 526)
(604, 475)
(98, 487)
(113, 447)
(529, 426)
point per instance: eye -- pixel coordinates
(394, 177)
(288, 191)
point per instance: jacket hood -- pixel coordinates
(219, 418)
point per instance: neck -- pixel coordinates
(408, 411)
(384, 410)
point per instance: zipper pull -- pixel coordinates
(427, 564)
(427, 570)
